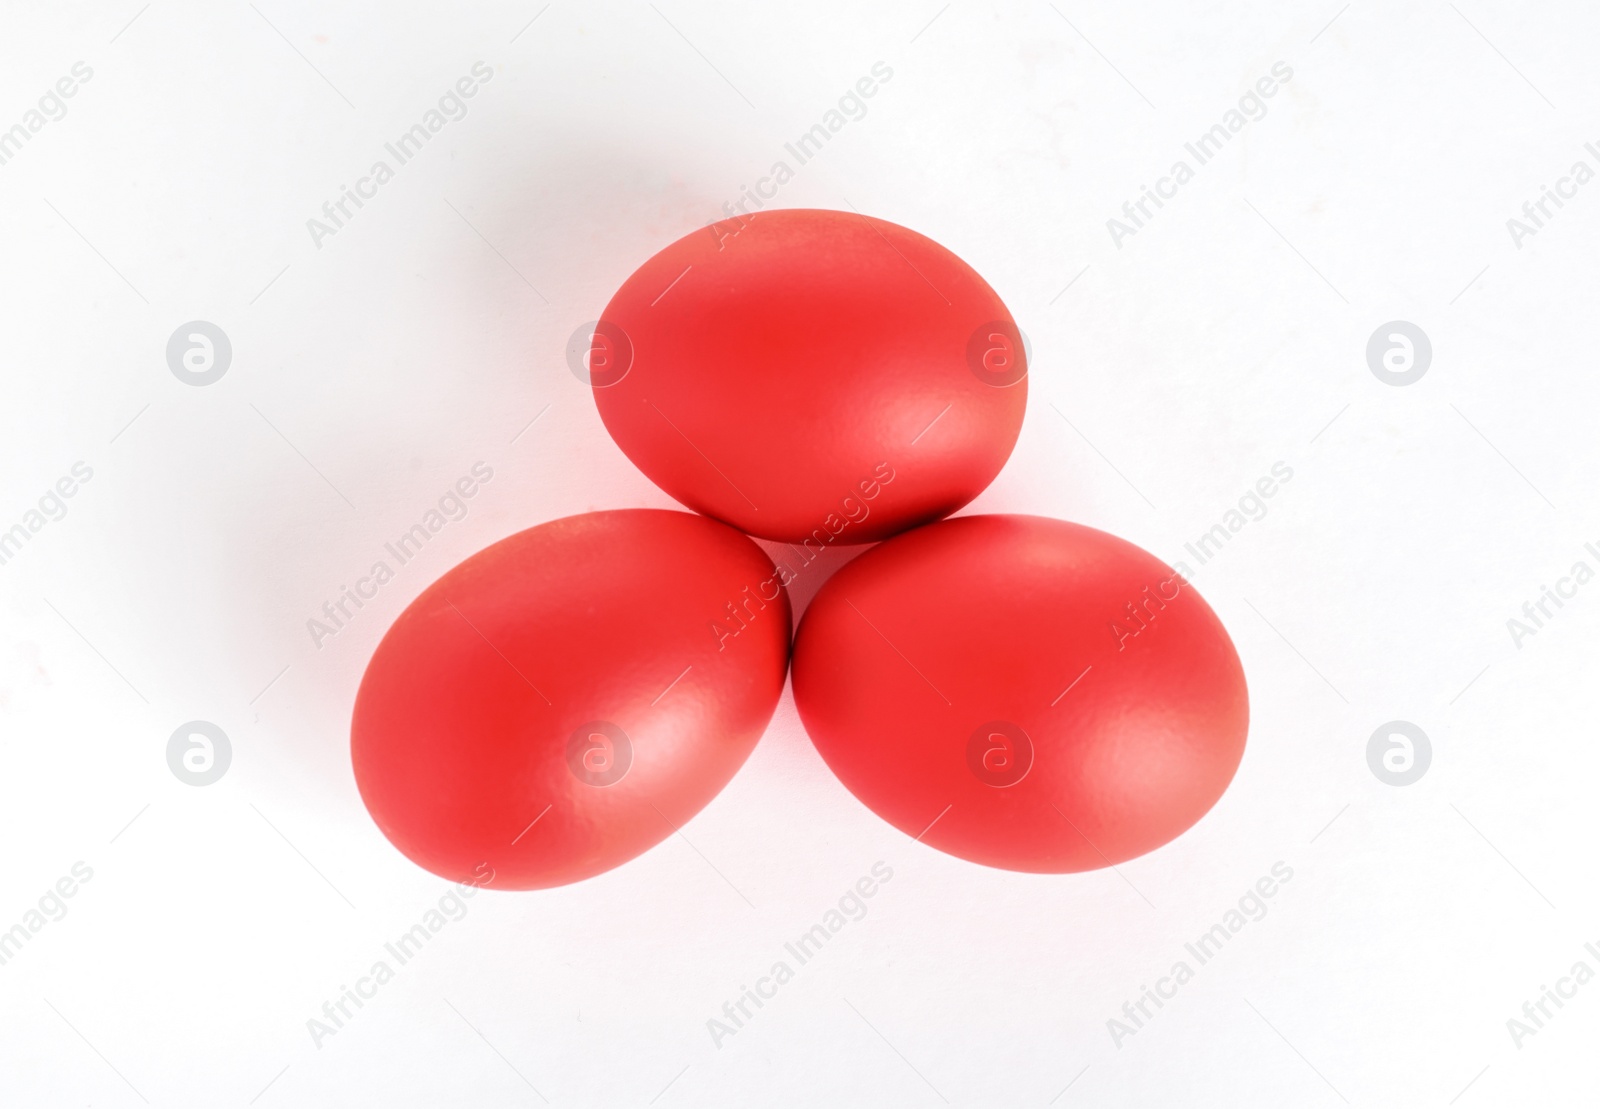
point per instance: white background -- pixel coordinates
(371, 372)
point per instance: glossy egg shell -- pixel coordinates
(566, 698)
(769, 370)
(1022, 692)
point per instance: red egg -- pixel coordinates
(1022, 692)
(568, 697)
(810, 375)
